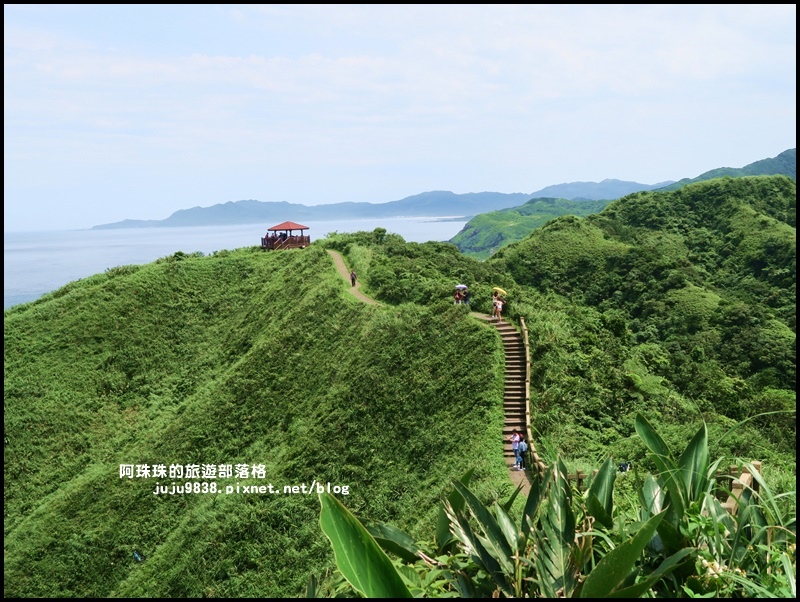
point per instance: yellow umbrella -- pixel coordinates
(499, 290)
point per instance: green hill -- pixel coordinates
(239, 358)
(680, 290)
(676, 305)
(487, 232)
(784, 164)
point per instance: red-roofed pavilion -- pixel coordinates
(282, 236)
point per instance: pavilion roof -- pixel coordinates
(288, 226)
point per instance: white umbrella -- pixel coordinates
(461, 286)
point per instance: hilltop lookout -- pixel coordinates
(283, 236)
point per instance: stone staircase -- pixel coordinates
(514, 394)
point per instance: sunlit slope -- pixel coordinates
(715, 233)
(681, 304)
(486, 233)
(240, 358)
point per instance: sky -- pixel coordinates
(116, 112)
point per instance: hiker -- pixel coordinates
(466, 297)
(495, 295)
(515, 438)
(458, 297)
(498, 307)
(352, 277)
(523, 450)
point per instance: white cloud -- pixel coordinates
(331, 99)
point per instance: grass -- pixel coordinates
(250, 358)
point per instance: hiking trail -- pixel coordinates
(515, 374)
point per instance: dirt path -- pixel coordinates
(338, 261)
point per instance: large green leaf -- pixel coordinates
(311, 587)
(665, 568)
(651, 496)
(510, 530)
(669, 471)
(489, 525)
(555, 538)
(600, 495)
(479, 553)
(694, 463)
(596, 509)
(393, 540)
(651, 438)
(532, 503)
(614, 569)
(359, 557)
(443, 538)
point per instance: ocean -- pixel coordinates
(35, 263)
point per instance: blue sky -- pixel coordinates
(118, 112)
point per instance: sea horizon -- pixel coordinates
(39, 262)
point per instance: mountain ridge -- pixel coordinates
(433, 203)
(437, 202)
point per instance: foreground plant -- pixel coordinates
(683, 543)
(733, 555)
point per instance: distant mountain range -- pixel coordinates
(434, 203)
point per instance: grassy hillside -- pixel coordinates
(239, 358)
(682, 304)
(679, 306)
(784, 164)
(486, 233)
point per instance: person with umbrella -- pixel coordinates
(498, 301)
(460, 294)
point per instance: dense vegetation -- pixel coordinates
(488, 232)
(675, 539)
(678, 307)
(239, 358)
(785, 164)
(680, 303)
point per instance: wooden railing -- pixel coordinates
(745, 479)
(534, 461)
(274, 243)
